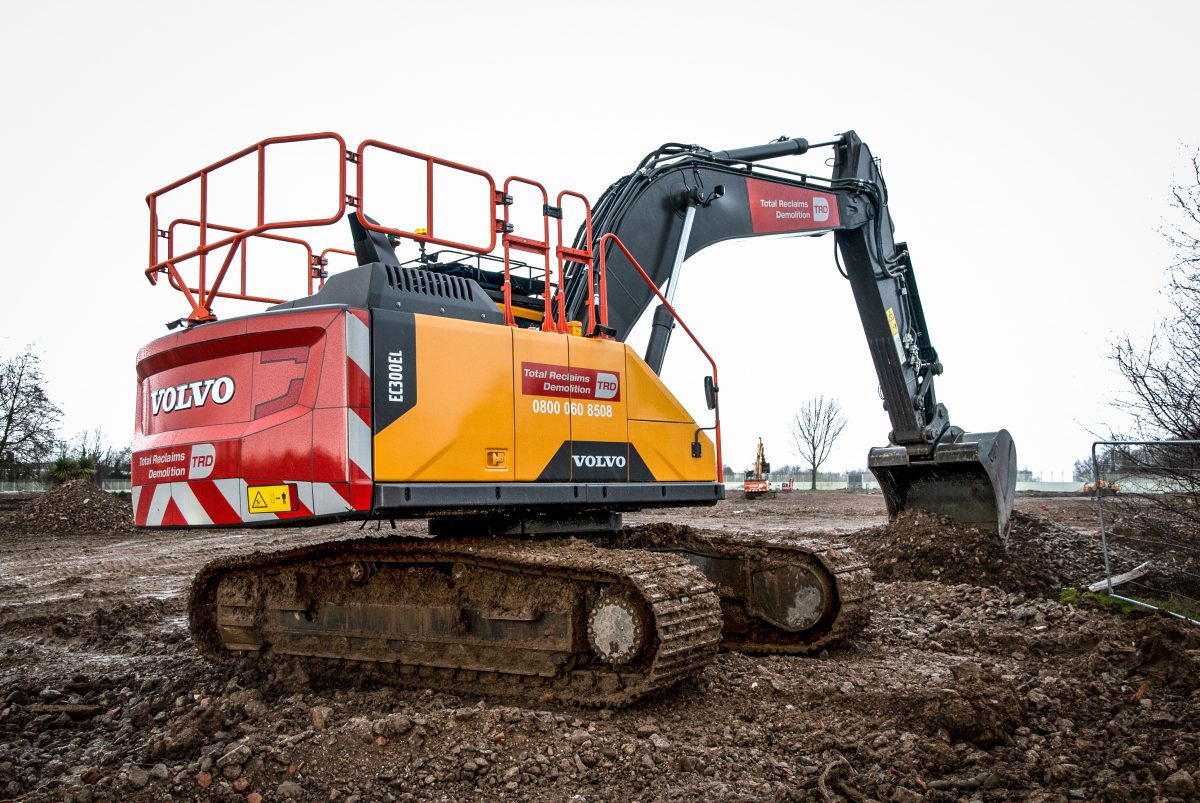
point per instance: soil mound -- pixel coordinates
(74, 506)
(921, 546)
(1169, 651)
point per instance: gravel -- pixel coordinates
(72, 506)
(970, 683)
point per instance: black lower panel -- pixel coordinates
(419, 498)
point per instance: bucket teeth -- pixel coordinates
(970, 477)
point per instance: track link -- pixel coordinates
(780, 594)
(486, 616)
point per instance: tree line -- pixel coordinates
(31, 447)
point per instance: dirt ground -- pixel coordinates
(971, 683)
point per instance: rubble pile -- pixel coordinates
(75, 506)
(1038, 557)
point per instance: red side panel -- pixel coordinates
(278, 399)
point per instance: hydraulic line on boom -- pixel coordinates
(683, 198)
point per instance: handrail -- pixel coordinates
(583, 256)
(430, 163)
(238, 244)
(201, 307)
(610, 237)
(526, 244)
(209, 285)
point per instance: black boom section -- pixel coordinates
(647, 211)
(728, 195)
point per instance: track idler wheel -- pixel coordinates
(617, 628)
(793, 597)
(359, 571)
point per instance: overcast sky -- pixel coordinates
(1029, 150)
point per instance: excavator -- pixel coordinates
(487, 385)
(755, 483)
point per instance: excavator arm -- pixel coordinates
(682, 199)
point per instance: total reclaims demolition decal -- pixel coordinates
(776, 208)
(196, 461)
(544, 379)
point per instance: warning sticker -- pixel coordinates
(270, 498)
(895, 327)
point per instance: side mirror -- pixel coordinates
(710, 393)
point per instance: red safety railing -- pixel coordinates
(564, 254)
(512, 242)
(240, 246)
(615, 240)
(200, 297)
(429, 233)
(203, 285)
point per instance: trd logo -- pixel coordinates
(607, 385)
(204, 459)
(598, 461)
(820, 207)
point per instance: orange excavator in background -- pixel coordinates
(483, 382)
(755, 483)
(1101, 488)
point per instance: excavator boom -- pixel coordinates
(682, 199)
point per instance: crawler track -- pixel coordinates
(780, 594)
(491, 616)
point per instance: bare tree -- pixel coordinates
(1083, 471)
(1164, 397)
(1111, 461)
(27, 417)
(814, 429)
(1165, 377)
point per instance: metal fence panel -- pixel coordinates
(38, 486)
(1147, 496)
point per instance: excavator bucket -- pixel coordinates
(971, 479)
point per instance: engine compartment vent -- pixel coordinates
(428, 283)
